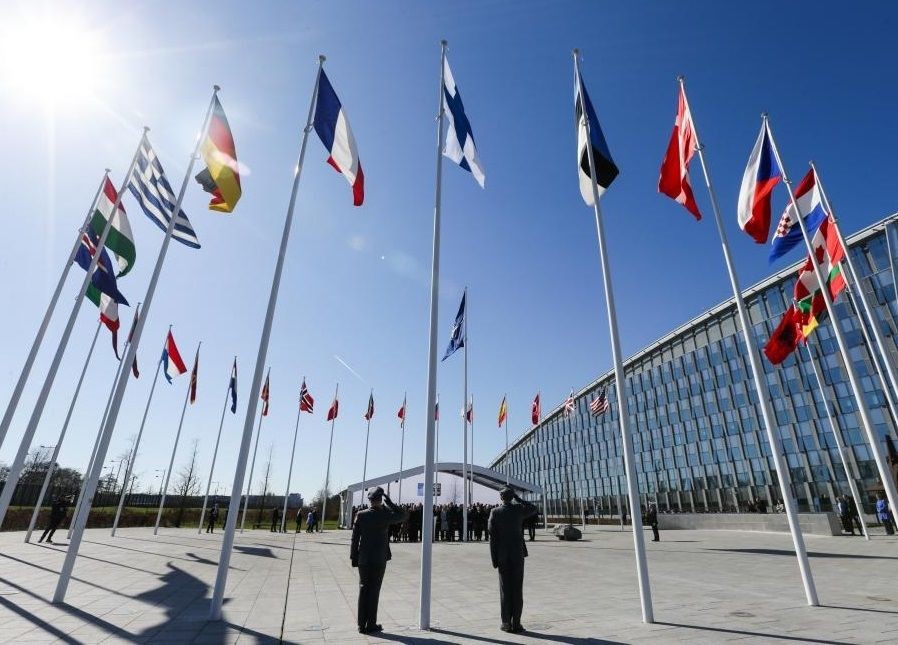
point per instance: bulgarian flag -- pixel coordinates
(221, 177)
(120, 239)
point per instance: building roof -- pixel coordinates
(483, 476)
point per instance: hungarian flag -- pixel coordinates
(503, 412)
(535, 410)
(674, 179)
(120, 239)
(193, 374)
(264, 396)
(334, 410)
(134, 370)
(829, 252)
(369, 413)
(306, 402)
(785, 338)
(761, 175)
(232, 387)
(221, 176)
(173, 364)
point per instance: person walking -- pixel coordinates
(213, 517)
(275, 519)
(854, 516)
(844, 514)
(370, 552)
(310, 521)
(507, 551)
(57, 515)
(298, 519)
(884, 514)
(651, 518)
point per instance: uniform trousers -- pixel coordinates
(370, 578)
(511, 592)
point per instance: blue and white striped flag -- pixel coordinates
(152, 191)
(459, 139)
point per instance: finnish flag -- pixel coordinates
(459, 145)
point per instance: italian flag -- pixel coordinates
(120, 239)
(108, 313)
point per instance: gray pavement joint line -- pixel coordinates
(287, 590)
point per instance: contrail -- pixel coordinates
(354, 373)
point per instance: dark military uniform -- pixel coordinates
(508, 551)
(57, 515)
(370, 552)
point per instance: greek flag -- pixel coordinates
(459, 139)
(152, 191)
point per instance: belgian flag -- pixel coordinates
(221, 177)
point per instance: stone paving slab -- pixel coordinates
(707, 586)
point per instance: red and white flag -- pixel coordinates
(535, 410)
(674, 179)
(569, 404)
(334, 409)
(306, 402)
(264, 396)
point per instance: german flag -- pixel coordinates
(221, 177)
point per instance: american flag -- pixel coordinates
(599, 405)
(569, 405)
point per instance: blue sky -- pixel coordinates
(356, 280)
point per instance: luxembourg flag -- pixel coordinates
(171, 359)
(761, 175)
(788, 234)
(333, 129)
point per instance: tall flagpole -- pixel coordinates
(402, 442)
(330, 450)
(773, 438)
(837, 435)
(436, 415)
(464, 416)
(292, 456)
(65, 426)
(234, 508)
(252, 468)
(122, 383)
(882, 465)
(645, 592)
(365, 463)
(42, 329)
(143, 422)
(471, 488)
(507, 465)
(215, 454)
(429, 437)
(174, 448)
(15, 470)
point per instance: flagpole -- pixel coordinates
(215, 454)
(290, 470)
(464, 416)
(65, 426)
(228, 541)
(471, 489)
(42, 329)
(837, 434)
(402, 443)
(645, 592)
(882, 466)
(15, 470)
(330, 450)
(776, 448)
(174, 449)
(858, 288)
(143, 422)
(122, 383)
(365, 463)
(429, 437)
(507, 464)
(437, 448)
(252, 468)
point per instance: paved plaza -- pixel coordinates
(708, 586)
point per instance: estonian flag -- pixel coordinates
(606, 170)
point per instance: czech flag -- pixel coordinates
(761, 175)
(333, 129)
(173, 364)
(221, 177)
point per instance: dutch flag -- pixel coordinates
(172, 363)
(333, 129)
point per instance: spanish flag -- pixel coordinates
(503, 411)
(221, 177)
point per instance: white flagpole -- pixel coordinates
(402, 442)
(507, 464)
(645, 592)
(228, 541)
(292, 456)
(885, 472)
(857, 287)
(65, 426)
(252, 468)
(365, 462)
(837, 435)
(143, 422)
(42, 329)
(15, 471)
(330, 450)
(174, 449)
(464, 417)
(224, 409)
(430, 435)
(471, 488)
(776, 448)
(122, 383)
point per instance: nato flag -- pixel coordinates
(457, 335)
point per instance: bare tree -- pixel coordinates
(188, 482)
(266, 478)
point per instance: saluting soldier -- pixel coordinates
(370, 552)
(508, 551)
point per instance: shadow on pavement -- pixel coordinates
(811, 554)
(414, 640)
(262, 552)
(743, 632)
(870, 609)
(539, 636)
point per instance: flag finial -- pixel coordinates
(444, 42)
(681, 78)
(146, 129)
(216, 88)
(322, 58)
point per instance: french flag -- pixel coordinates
(333, 129)
(172, 363)
(761, 174)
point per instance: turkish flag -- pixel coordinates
(535, 410)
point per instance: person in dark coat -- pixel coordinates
(213, 517)
(275, 520)
(370, 552)
(651, 518)
(508, 550)
(57, 515)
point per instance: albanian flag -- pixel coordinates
(785, 337)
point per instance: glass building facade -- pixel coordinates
(698, 435)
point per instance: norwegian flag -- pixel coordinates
(369, 413)
(264, 396)
(306, 402)
(599, 405)
(569, 404)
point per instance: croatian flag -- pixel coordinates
(788, 234)
(761, 175)
(333, 129)
(459, 146)
(172, 362)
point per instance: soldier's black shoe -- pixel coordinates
(517, 629)
(505, 627)
(373, 629)
(363, 630)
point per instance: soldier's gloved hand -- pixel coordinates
(355, 563)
